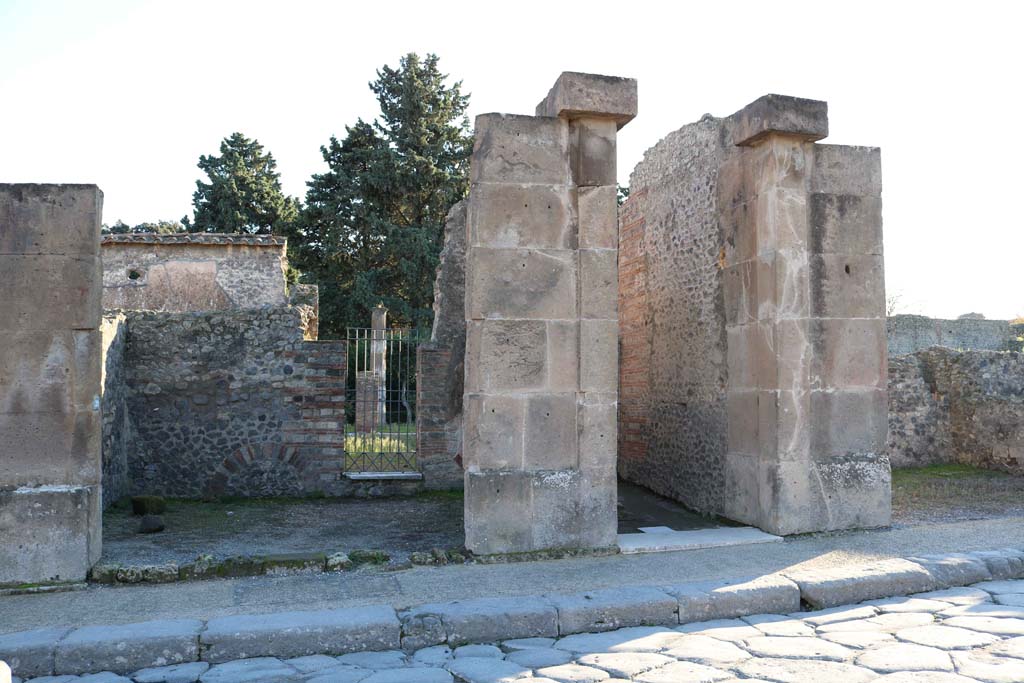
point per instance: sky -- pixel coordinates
(128, 94)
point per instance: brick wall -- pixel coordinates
(634, 340)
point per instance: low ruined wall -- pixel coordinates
(193, 272)
(118, 438)
(233, 403)
(910, 333)
(957, 407)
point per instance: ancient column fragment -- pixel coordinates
(541, 309)
(804, 300)
(50, 357)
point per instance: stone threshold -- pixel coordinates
(663, 539)
(383, 476)
(129, 647)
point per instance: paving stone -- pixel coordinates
(857, 583)
(411, 675)
(573, 673)
(65, 678)
(539, 657)
(129, 647)
(479, 651)
(388, 659)
(103, 677)
(486, 670)
(946, 637)
(967, 595)
(625, 664)
(894, 621)
(905, 657)
(30, 653)
(779, 625)
(908, 605)
(706, 650)
(988, 668)
(311, 663)
(254, 670)
(797, 648)
(1012, 647)
(176, 673)
(722, 629)
(1002, 627)
(859, 639)
(296, 634)
(607, 610)
(438, 655)
(683, 671)
(985, 609)
(526, 643)
(635, 639)
(487, 620)
(924, 677)
(996, 587)
(342, 673)
(1016, 599)
(835, 614)
(804, 671)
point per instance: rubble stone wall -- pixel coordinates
(910, 333)
(233, 403)
(118, 437)
(966, 407)
(193, 272)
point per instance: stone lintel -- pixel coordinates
(578, 95)
(780, 115)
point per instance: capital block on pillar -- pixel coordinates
(578, 95)
(780, 115)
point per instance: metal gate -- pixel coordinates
(380, 424)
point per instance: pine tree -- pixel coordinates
(244, 193)
(373, 225)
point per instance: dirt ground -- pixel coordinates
(400, 526)
(953, 493)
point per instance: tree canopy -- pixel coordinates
(373, 223)
(244, 193)
(155, 228)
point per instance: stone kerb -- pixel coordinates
(127, 647)
(541, 311)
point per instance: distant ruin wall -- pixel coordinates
(233, 403)
(910, 333)
(957, 407)
(193, 272)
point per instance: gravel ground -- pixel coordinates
(954, 493)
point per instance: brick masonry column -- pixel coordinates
(542, 326)
(50, 359)
(805, 323)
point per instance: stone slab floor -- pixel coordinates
(959, 635)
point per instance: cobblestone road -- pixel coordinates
(958, 635)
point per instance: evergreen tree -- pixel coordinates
(154, 228)
(244, 193)
(373, 225)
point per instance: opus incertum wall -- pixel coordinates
(541, 308)
(50, 291)
(753, 337)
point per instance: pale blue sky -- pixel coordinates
(128, 94)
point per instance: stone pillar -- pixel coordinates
(541, 307)
(371, 382)
(50, 358)
(805, 324)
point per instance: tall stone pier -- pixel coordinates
(542, 324)
(753, 339)
(51, 284)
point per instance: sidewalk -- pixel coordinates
(216, 598)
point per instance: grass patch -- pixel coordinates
(907, 475)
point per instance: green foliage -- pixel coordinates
(373, 224)
(157, 228)
(622, 194)
(244, 193)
